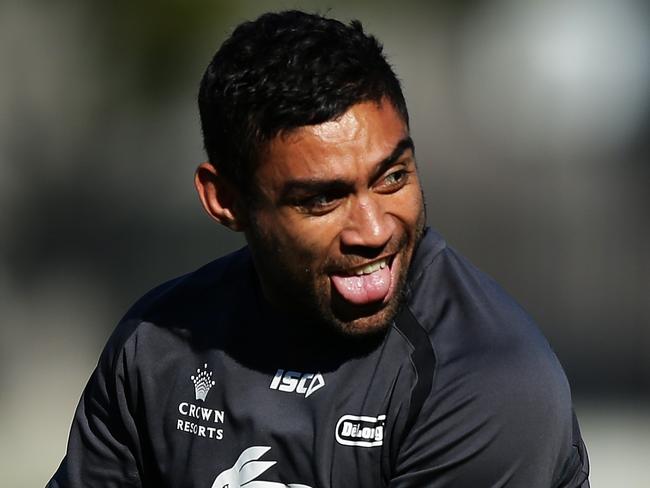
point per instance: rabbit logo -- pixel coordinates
(247, 468)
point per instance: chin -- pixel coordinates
(363, 321)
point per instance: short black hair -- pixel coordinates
(283, 71)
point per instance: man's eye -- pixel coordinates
(320, 201)
(318, 204)
(394, 181)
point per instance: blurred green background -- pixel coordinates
(531, 121)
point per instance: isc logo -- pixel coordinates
(294, 381)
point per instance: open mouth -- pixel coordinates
(365, 284)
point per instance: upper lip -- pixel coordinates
(360, 268)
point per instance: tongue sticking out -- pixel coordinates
(363, 289)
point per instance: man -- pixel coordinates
(346, 345)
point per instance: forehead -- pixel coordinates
(364, 135)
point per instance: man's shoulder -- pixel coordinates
(480, 334)
(213, 282)
(192, 301)
(450, 296)
(497, 389)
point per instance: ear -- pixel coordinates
(219, 196)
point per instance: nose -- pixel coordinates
(368, 225)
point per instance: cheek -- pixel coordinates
(307, 248)
(313, 235)
(410, 205)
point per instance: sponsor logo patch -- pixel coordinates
(294, 381)
(202, 383)
(198, 419)
(247, 469)
(360, 430)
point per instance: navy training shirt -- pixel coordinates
(203, 385)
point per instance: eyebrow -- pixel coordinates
(315, 185)
(401, 147)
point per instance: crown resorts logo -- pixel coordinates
(202, 383)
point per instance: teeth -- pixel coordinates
(371, 268)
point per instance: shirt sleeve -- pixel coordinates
(103, 447)
(499, 416)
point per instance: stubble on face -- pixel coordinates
(299, 295)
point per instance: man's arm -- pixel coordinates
(103, 447)
(500, 417)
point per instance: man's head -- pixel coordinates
(306, 131)
(283, 71)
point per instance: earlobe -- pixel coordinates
(219, 196)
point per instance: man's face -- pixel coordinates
(337, 212)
